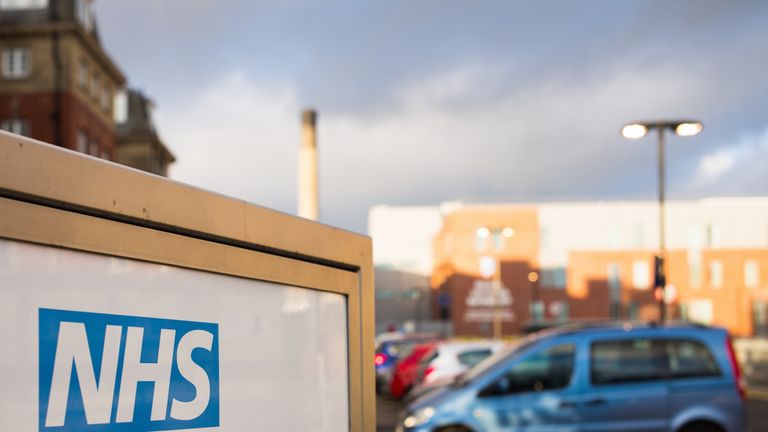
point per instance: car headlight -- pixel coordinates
(419, 417)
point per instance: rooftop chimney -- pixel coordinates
(308, 201)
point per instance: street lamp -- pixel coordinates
(493, 269)
(637, 130)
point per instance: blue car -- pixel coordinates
(610, 377)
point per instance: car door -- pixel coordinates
(533, 394)
(626, 388)
(698, 382)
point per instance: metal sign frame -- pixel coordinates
(57, 197)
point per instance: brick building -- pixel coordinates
(508, 237)
(57, 83)
(592, 260)
(138, 142)
(725, 287)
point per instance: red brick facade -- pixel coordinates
(79, 117)
(38, 109)
(458, 252)
(725, 287)
(67, 87)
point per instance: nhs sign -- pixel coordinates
(100, 372)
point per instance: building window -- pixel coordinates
(120, 104)
(96, 86)
(537, 311)
(760, 317)
(82, 142)
(481, 239)
(498, 240)
(713, 236)
(694, 268)
(23, 4)
(84, 14)
(715, 274)
(94, 148)
(15, 62)
(633, 310)
(641, 275)
(751, 274)
(106, 96)
(545, 234)
(83, 75)
(696, 235)
(696, 242)
(638, 232)
(552, 277)
(16, 125)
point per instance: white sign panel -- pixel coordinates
(482, 302)
(96, 343)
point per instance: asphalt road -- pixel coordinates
(387, 410)
(386, 413)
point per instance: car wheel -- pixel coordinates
(456, 428)
(701, 427)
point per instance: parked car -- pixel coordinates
(407, 369)
(610, 377)
(449, 359)
(387, 351)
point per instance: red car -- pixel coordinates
(407, 370)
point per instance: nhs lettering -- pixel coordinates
(102, 372)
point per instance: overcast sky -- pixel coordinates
(432, 100)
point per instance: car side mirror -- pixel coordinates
(498, 388)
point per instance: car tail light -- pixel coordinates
(736, 368)
(427, 372)
(380, 359)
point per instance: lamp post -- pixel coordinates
(494, 270)
(637, 130)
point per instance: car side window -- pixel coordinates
(427, 359)
(688, 359)
(394, 348)
(548, 369)
(471, 358)
(627, 360)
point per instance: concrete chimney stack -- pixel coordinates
(308, 200)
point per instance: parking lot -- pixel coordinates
(757, 413)
(386, 413)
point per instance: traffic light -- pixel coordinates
(659, 275)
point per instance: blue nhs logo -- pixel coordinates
(103, 372)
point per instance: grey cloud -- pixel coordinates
(426, 101)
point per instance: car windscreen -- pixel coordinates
(398, 347)
(486, 365)
(471, 358)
